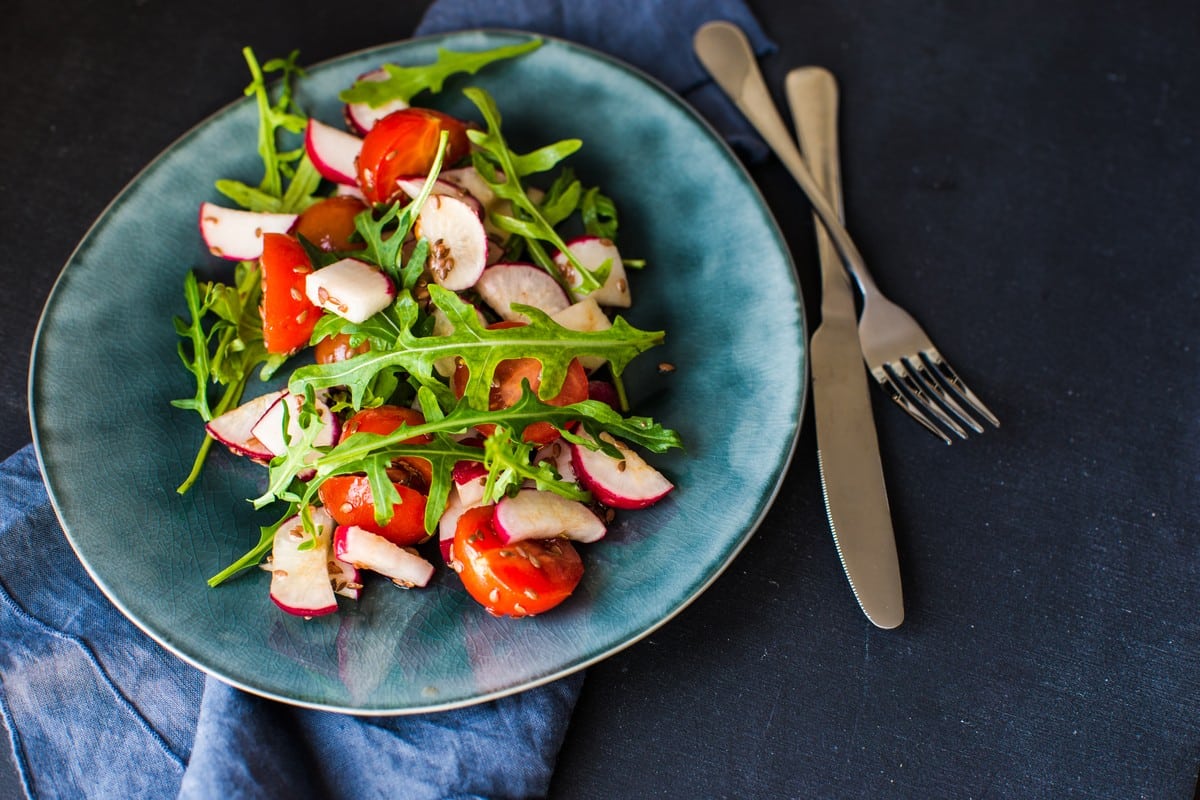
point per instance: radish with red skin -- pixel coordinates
(332, 152)
(558, 453)
(448, 523)
(470, 480)
(367, 550)
(269, 428)
(626, 482)
(538, 514)
(235, 427)
(236, 234)
(352, 289)
(592, 252)
(362, 117)
(300, 581)
(346, 579)
(503, 284)
(412, 187)
(458, 244)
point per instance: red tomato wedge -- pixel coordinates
(329, 223)
(404, 144)
(385, 419)
(349, 501)
(514, 580)
(506, 388)
(287, 315)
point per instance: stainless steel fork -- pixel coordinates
(900, 355)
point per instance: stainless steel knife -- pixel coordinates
(847, 445)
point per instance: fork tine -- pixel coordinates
(947, 373)
(931, 383)
(885, 379)
(915, 389)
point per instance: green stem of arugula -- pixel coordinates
(233, 393)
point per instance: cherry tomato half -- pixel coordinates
(336, 348)
(506, 388)
(349, 501)
(287, 315)
(385, 419)
(329, 223)
(404, 144)
(518, 579)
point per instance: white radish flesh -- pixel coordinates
(236, 234)
(626, 482)
(537, 514)
(362, 116)
(345, 578)
(592, 252)
(470, 481)
(333, 152)
(269, 429)
(412, 187)
(558, 453)
(458, 244)
(448, 524)
(352, 289)
(235, 427)
(300, 574)
(503, 284)
(367, 550)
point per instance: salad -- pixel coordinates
(446, 311)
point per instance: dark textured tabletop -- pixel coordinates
(1024, 178)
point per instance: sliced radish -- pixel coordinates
(345, 578)
(332, 151)
(362, 116)
(536, 514)
(448, 524)
(457, 241)
(558, 453)
(352, 289)
(235, 427)
(626, 482)
(470, 181)
(503, 284)
(470, 481)
(300, 573)
(367, 550)
(592, 252)
(236, 234)
(414, 186)
(586, 315)
(269, 428)
(345, 190)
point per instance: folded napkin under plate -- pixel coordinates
(94, 708)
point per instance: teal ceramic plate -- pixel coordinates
(719, 281)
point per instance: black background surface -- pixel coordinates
(1024, 177)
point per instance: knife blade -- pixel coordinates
(847, 444)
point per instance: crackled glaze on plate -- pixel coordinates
(719, 281)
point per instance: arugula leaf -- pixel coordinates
(405, 83)
(275, 118)
(502, 170)
(479, 348)
(504, 454)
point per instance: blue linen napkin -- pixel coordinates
(95, 709)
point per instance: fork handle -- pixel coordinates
(727, 55)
